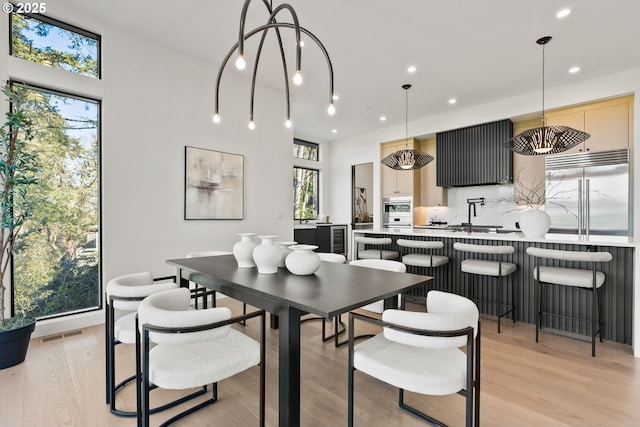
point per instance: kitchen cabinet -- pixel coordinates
(331, 238)
(399, 183)
(430, 194)
(608, 123)
(306, 235)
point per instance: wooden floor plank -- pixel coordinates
(554, 383)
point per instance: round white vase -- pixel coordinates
(284, 247)
(243, 250)
(534, 223)
(267, 255)
(303, 260)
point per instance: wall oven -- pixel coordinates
(397, 212)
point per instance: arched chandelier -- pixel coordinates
(407, 158)
(272, 24)
(546, 139)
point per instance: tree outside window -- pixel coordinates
(305, 193)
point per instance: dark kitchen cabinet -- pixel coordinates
(475, 155)
(331, 238)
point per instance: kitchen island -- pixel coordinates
(620, 300)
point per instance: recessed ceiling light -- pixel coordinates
(563, 13)
(383, 118)
(335, 97)
(452, 101)
(412, 69)
(334, 130)
(574, 70)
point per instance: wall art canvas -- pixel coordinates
(214, 184)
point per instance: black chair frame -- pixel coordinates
(110, 343)
(511, 308)
(596, 305)
(142, 356)
(471, 392)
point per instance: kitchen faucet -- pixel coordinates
(472, 203)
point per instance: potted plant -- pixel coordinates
(534, 221)
(18, 171)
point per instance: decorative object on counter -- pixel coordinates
(263, 30)
(285, 247)
(303, 260)
(361, 209)
(243, 250)
(407, 159)
(267, 255)
(534, 222)
(546, 139)
(213, 184)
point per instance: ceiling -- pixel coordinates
(470, 50)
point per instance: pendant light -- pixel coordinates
(272, 24)
(407, 159)
(546, 139)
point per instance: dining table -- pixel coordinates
(332, 290)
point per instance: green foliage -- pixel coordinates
(16, 323)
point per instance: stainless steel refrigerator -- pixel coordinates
(588, 193)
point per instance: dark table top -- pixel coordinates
(334, 289)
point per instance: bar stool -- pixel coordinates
(378, 251)
(425, 259)
(493, 268)
(588, 279)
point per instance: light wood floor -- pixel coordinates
(553, 383)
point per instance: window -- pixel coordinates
(305, 150)
(50, 42)
(56, 263)
(305, 193)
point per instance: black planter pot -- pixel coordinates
(14, 345)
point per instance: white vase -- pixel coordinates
(534, 223)
(303, 261)
(284, 247)
(243, 250)
(267, 255)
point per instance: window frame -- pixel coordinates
(52, 21)
(313, 145)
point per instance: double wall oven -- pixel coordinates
(397, 212)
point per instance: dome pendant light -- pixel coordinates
(407, 159)
(546, 139)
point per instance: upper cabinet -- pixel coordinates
(608, 123)
(430, 194)
(399, 183)
(475, 155)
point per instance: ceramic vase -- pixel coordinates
(267, 255)
(303, 260)
(284, 247)
(243, 250)
(534, 223)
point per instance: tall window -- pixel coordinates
(53, 43)
(306, 179)
(56, 265)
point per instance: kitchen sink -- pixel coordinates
(474, 228)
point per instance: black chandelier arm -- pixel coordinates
(266, 27)
(296, 26)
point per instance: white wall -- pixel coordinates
(366, 147)
(154, 102)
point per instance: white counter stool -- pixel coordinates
(329, 257)
(496, 267)
(588, 279)
(378, 251)
(425, 259)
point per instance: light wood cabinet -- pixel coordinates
(395, 182)
(608, 123)
(430, 194)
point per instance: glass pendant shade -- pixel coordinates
(546, 139)
(407, 159)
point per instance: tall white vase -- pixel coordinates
(303, 260)
(243, 250)
(267, 255)
(534, 223)
(284, 247)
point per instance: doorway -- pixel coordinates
(361, 192)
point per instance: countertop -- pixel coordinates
(620, 241)
(314, 225)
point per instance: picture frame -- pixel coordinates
(213, 184)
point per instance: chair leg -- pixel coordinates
(426, 417)
(501, 292)
(107, 355)
(600, 321)
(538, 304)
(350, 375)
(594, 320)
(513, 300)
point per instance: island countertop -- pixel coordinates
(621, 294)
